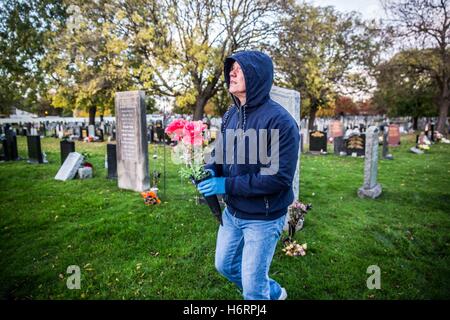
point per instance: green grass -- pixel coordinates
(127, 250)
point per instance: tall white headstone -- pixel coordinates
(290, 100)
(132, 145)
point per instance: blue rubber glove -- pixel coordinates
(212, 186)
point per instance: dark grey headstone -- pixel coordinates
(338, 144)
(111, 160)
(10, 146)
(66, 148)
(34, 149)
(318, 141)
(356, 144)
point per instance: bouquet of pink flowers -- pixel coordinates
(190, 138)
(189, 149)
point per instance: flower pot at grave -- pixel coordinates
(212, 201)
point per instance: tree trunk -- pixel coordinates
(443, 114)
(415, 123)
(443, 111)
(312, 117)
(92, 111)
(199, 107)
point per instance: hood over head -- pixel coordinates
(258, 73)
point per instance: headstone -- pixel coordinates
(356, 144)
(10, 146)
(317, 141)
(91, 130)
(34, 149)
(432, 131)
(132, 146)
(386, 154)
(416, 150)
(290, 100)
(66, 148)
(394, 135)
(111, 160)
(371, 188)
(339, 146)
(99, 134)
(85, 172)
(159, 130)
(84, 133)
(70, 167)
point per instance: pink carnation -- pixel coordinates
(175, 129)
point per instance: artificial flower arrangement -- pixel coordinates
(189, 152)
(150, 198)
(296, 214)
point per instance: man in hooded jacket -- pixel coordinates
(257, 192)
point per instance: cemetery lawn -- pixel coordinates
(127, 250)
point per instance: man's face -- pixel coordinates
(237, 80)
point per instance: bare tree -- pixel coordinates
(424, 25)
(194, 38)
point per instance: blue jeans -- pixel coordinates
(244, 252)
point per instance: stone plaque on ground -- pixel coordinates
(317, 141)
(132, 147)
(371, 188)
(34, 149)
(336, 129)
(70, 167)
(290, 100)
(394, 135)
(356, 144)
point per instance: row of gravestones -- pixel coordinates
(71, 161)
(353, 141)
(61, 130)
(9, 150)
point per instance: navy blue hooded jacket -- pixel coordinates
(250, 194)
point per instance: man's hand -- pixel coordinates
(212, 186)
(213, 174)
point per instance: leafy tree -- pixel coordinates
(402, 90)
(423, 26)
(321, 52)
(24, 27)
(88, 59)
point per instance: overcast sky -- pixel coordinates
(369, 8)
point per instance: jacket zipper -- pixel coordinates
(267, 206)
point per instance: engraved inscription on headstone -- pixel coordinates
(132, 147)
